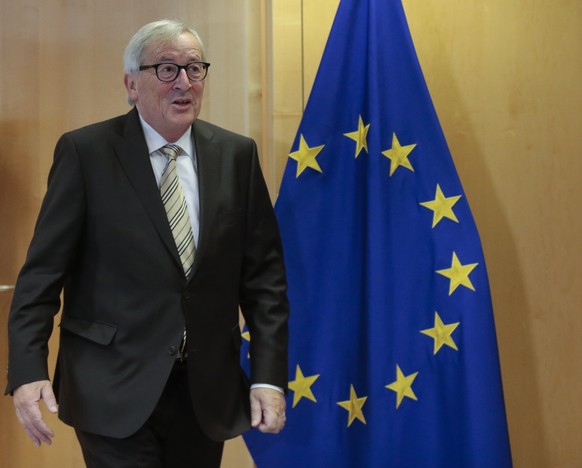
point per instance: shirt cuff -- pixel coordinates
(264, 385)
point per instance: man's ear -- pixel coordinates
(131, 87)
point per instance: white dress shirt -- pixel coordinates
(186, 166)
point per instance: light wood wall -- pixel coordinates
(61, 68)
(504, 77)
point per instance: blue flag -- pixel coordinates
(393, 353)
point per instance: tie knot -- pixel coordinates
(171, 151)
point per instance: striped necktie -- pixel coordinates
(177, 210)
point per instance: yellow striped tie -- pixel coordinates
(177, 210)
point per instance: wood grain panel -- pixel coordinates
(505, 81)
(61, 68)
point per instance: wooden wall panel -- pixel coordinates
(505, 81)
(60, 68)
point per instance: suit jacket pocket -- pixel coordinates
(99, 332)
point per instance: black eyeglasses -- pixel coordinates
(167, 71)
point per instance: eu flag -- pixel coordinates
(393, 353)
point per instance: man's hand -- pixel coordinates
(267, 410)
(26, 401)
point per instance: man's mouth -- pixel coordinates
(182, 102)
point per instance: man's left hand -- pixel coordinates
(267, 410)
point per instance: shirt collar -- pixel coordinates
(155, 141)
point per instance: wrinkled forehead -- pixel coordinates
(185, 46)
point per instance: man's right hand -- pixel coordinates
(26, 402)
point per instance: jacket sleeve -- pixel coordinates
(263, 295)
(36, 298)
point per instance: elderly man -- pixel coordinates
(156, 226)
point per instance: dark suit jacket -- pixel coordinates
(103, 235)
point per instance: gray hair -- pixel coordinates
(165, 30)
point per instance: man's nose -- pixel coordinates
(182, 80)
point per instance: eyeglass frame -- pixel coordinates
(180, 68)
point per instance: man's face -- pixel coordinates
(170, 108)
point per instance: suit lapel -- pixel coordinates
(133, 155)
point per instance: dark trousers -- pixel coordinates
(170, 438)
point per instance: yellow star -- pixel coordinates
(247, 336)
(398, 155)
(402, 386)
(441, 333)
(301, 386)
(354, 406)
(360, 136)
(305, 157)
(458, 274)
(442, 206)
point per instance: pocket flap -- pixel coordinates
(99, 332)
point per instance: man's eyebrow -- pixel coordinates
(166, 59)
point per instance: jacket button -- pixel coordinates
(172, 350)
(186, 295)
